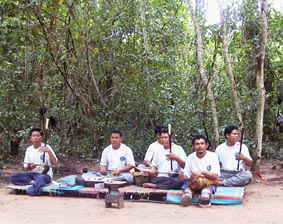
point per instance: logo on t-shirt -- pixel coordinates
(208, 167)
(122, 158)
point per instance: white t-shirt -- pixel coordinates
(115, 159)
(163, 164)
(152, 149)
(227, 156)
(33, 155)
(208, 163)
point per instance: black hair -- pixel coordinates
(165, 131)
(160, 128)
(36, 129)
(116, 132)
(228, 130)
(197, 137)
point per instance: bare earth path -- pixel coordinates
(263, 204)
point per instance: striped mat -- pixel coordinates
(66, 187)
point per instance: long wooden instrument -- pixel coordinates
(241, 143)
(170, 144)
(45, 140)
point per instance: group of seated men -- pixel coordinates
(165, 161)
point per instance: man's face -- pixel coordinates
(233, 137)
(164, 139)
(35, 138)
(158, 138)
(115, 140)
(200, 147)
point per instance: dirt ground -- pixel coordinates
(262, 204)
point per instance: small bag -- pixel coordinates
(140, 178)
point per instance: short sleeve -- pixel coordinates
(130, 157)
(215, 165)
(103, 161)
(187, 169)
(245, 152)
(155, 161)
(53, 153)
(182, 154)
(217, 152)
(149, 154)
(26, 159)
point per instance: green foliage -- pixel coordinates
(123, 64)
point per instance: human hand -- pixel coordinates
(182, 176)
(146, 172)
(171, 156)
(205, 173)
(31, 166)
(44, 149)
(195, 176)
(115, 172)
(240, 156)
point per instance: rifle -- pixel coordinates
(170, 144)
(241, 143)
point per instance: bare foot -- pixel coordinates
(220, 183)
(149, 185)
(32, 182)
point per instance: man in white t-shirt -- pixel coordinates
(117, 158)
(38, 161)
(233, 163)
(154, 147)
(200, 164)
(166, 163)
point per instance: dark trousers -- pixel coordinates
(167, 183)
(40, 180)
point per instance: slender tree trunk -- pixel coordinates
(260, 82)
(14, 146)
(199, 48)
(229, 69)
(95, 84)
(142, 8)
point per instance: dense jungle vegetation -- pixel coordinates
(97, 65)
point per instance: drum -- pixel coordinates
(202, 182)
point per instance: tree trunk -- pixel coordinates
(199, 49)
(260, 82)
(142, 9)
(229, 70)
(14, 146)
